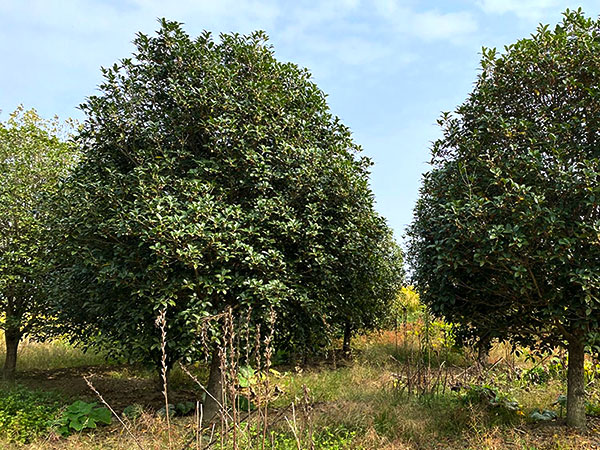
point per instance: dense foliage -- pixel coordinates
(505, 235)
(33, 157)
(215, 177)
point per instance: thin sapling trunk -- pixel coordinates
(576, 385)
(347, 338)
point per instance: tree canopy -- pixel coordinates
(505, 235)
(214, 176)
(34, 155)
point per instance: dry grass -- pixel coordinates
(58, 354)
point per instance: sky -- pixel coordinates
(389, 67)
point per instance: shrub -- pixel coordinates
(500, 406)
(406, 306)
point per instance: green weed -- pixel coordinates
(81, 415)
(26, 414)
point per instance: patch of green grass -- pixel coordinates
(26, 414)
(327, 438)
(327, 385)
(180, 380)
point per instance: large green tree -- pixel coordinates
(505, 238)
(34, 155)
(212, 177)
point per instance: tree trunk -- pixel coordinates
(347, 337)
(483, 350)
(214, 397)
(12, 339)
(576, 385)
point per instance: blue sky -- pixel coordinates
(389, 67)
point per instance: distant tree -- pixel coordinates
(33, 157)
(371, 278)
(505, 235)
(212, 177)
(405, 304)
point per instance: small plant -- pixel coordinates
(591, 370)
(177, 409)
(536, 375)
(184, 408)
(80, 415)
(252, 384)
(162, 412)
(556, 368)
(593, 409)
(479, 394)
(247, 377)
(134, 411)
(542, 415)
(500, 405)
(561, 401)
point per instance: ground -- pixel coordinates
(394, 393)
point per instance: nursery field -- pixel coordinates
(211, 222)
(407, 388)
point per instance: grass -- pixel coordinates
(57, 355)
(355, 404)
(26, 414)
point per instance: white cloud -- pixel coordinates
(428, 25)
(525, 9)
(63, 43)
(433, 25)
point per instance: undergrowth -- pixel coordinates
(396, 392)
(26, 414)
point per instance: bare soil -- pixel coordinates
(118, 391)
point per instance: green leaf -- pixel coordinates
(102, 415)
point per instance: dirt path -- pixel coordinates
(118, 390)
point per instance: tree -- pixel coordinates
(505, 235)
(33, 157)
(371, 277)
(212, 177)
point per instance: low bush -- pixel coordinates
(502, 408)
